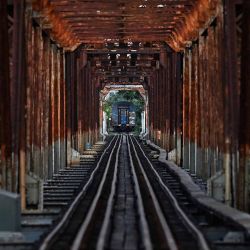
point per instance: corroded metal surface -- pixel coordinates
(244, 131)
(56, 56)
(74, 22)
(5, 108)
(164, 100)
(203, 102)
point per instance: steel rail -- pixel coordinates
(80, 235)
(104, 230)
(143, 221)
(52, 234)
(167, 231)
(199, 236)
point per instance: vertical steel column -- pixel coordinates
(46, 106)
(151, 106)
(192, 109)
(78, 110)
(18, 97)
(35, 106)
(202, 80)
(51, 112)
(38, 105)
(88, 96)
(29, 84)
(186, 109)
(98, 124)
(231, 99)
(84, 103)
(162, 103)
(62, 134)
(157, 108)
(179, 108)
(173, 101)
(22, 110)
(219, 44)
(165, 108)
(68, 75)
(5, 106)
(57, 94)
(243, 200)
(168, 100)
(154, 125)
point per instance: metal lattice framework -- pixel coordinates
(96, 22)
(123, 39)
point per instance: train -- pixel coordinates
(123, 117)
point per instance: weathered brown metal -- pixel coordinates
(5, 108)
(164, 101)
(244, 134)
(177, 21)
(83, 101)
(19, 95)
(185, 102)
(68, 81)
(231, 99)
(60, 32)
(45, 102)
(45, 114)
(203, 110)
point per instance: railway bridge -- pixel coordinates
(66, 182)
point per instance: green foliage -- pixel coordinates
(107, 107)
(125, 95)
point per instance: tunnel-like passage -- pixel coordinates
(189, 59)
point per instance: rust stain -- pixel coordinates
(189, 30)
(5, 104)
(97, 21)
(60, 29)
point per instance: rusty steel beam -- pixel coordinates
(69, 80)
(172, 104)
(243, 201)
(79, 104)
(29, 79)
(185, 102)
(19, 95)
(5, 108)
(55, 110)
(46, 106)
(179, 81)
(36, 104)
(192, 108)
(231, 100)
(82, 100)
(62, 88)
(191, 13)
(164, 100)
(60, 31)
(45, 122)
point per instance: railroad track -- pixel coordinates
(221, 232)
(133, 202)
(184, 233)
(62, 236)
(61, 190)
(123, 224)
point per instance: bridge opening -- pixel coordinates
(124, 111)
